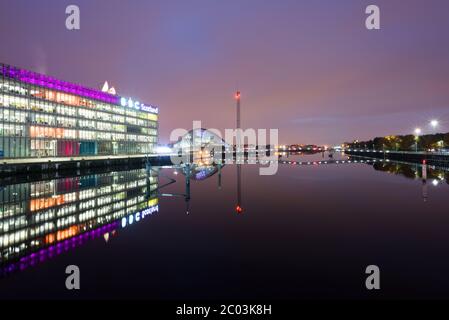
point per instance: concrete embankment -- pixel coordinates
(23, 166)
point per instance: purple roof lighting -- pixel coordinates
(55, 84)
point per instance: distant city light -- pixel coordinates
(434, 123)
(418, 131)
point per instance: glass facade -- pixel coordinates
(42, 117)
(44, 218)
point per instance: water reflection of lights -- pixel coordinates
(54, 250)
(138, 216)
(66, 212)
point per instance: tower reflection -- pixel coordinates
(238, 207)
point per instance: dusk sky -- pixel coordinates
(308, 68)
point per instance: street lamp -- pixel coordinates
(417, 133)
(434, 123)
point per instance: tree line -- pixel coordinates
(404, 142)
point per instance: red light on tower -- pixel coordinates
(237, 95)
(238, 209)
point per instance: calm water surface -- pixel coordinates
(307, 232)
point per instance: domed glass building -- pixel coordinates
(200, 146)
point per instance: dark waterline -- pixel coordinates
(307, 232)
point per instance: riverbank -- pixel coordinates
(35, 165)
(433, 158)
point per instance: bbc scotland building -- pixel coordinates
(47, 120)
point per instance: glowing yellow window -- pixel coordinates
(152, 116)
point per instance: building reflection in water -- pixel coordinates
(198, 170)
(424, 172)
(42, 219)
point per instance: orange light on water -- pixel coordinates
(49, 238)
(67, 233)
(45, 203)
(62, 235)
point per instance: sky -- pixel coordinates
(307, 68)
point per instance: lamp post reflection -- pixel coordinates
(422, 172)
(424, 182)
